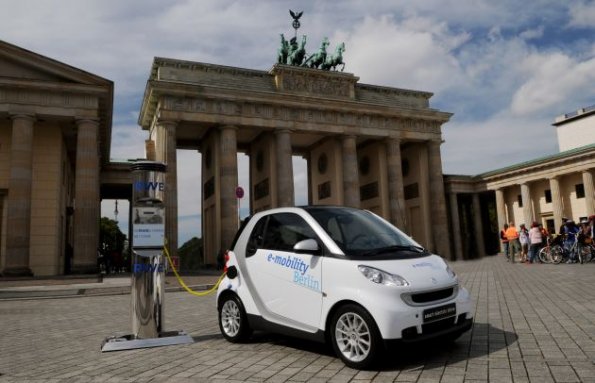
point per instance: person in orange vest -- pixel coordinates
(514, 245)
(504, 240)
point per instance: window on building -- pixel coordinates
(548, 196)
(580, 190)
(520, 199)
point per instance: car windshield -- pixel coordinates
(361, 233)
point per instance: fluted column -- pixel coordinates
(285, 192)
(86, 195)
(437, 201)
(150, 150)
(396, 194)
(557, 207)
(456, 226)
(169, 156)
(500, 208)
(19, 197)
(351, 195)
(478, 224)
(527, 204)
(589, 192)
(229, 181)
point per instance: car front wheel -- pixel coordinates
(233, 322)
(355, 337)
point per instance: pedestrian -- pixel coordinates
(514, 245)
(504, 240)
(524, 240)
(535, 240)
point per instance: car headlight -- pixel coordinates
(451, 272)
(382, 277)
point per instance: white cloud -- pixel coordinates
(582, 14)
(533, 33)
(552, 80)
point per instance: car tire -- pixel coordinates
(233, 321)
(355, 337)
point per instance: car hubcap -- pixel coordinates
(230, 318)
(353, 337)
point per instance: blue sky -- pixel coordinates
(505, 68)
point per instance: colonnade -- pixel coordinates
(219, 147)
(19, 199)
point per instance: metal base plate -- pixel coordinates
(128, 342)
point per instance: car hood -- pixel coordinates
(425, 273)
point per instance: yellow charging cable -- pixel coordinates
(181, 282)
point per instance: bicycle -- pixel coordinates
(560, 253)
(552, 250)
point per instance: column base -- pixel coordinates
(17, 272)
(84, 269)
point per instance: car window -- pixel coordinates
(284, 230)
(256, 237)
(358, 232)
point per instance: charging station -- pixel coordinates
(148, 264)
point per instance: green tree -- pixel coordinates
(111, 239)
(191, 254)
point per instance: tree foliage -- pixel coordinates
(191, 255)
(111, 239)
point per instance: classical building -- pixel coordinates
(542, 190)
(55, 128)
(366, 146)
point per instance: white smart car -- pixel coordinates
(340, 275)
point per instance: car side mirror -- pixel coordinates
(309, 246)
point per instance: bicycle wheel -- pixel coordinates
(584, 253)
(556, 254)
(545, 254)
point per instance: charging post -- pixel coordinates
(148, 264)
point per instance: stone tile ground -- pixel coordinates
(532, 324)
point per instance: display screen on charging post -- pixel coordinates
(148, 226)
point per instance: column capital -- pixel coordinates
(283, 131)
(435, 142)
(84, 120)
(228, 127)
(167, 123)
(23, 116)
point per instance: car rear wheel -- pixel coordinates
(233, 321)
(355, 337)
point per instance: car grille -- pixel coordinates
(430, 297)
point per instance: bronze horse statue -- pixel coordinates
(318, 58)
(335, 60)
(283, 51)
(296, 54)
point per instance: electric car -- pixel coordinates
(339, 275)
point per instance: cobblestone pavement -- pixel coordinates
(533, 323)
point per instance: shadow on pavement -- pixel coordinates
(482, 340)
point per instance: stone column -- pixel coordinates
(150, 150)
(285, 192)
(478, 224)
(527, 204)
(351, 195)
(589, 192)
(456, 226)
(169, 156)
(500, 209)
(396, 194)
(437, 201)
(557, 206)
(86, 197)
(19, 197)
(229, 181)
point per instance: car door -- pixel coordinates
(287, 283)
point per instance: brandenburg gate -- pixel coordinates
(366, 146)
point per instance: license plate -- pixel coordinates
(440, 312)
